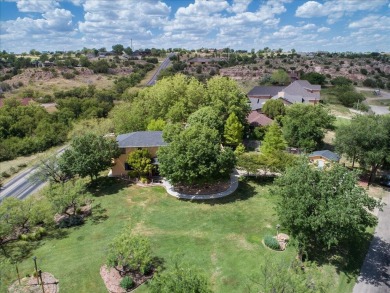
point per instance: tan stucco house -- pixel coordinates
(129, 142)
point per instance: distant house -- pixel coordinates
(261, 94)
(130, 142)
(323, 158)
(299, 91)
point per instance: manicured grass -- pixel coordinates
(221, 237)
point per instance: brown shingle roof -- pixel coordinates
(257, 119)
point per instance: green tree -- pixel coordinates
(367, 140)
(88, 155)
(194, 155)
(206, 116)
(156, 125)
(323, 208)
(250, 162)
(304, 126)
(128, 51)
(118, 49)
(274, 108)
(273, 140)
(233, 130)
(314, 78)
(141, 162)
(179, 279)
(129, 252)
(280, 77)
(341, 80)
(66, 198)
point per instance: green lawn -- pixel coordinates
(221, 237)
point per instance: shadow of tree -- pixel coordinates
(376, 268)
(98, 214)
(106, 186)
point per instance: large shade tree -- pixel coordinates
(304, 126)
(88, 155)
(323, 208)
(366, 140)
(195, 155)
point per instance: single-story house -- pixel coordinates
(256, 119)
(129, 142)
(323, 158)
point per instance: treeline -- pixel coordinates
(28, 129)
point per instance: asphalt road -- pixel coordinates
(22, 186)
(163, 65)
(375, 272)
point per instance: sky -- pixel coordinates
(326, 25)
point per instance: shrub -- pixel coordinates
(68, 75)
(23, 165)
(5, 174)
(144, 180)
(127, 283)
(271, 242)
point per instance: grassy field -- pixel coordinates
(221, 237)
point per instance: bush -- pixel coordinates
(68, 75)
(271, 242)
(5, 175)
(144, 180)
(127, 283)
(23, 165)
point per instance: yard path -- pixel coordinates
(375, 272)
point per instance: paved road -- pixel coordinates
(379, 110)
(163, 65)
(375, 272)
(21, 186)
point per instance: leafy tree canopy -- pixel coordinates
(140, 161)
(233, 130)
(304, 125)
(323, 208)
(178, 280)
(156, 125)
(88, 155)
(314, 78)
(280, 77)
(274, 108)
(194, 155)
(130, 252)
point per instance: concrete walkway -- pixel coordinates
(375, 272)
(232, 188)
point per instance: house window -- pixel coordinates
(128, 167)
(123, 151)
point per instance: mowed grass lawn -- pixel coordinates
(221, 237)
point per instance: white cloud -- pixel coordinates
(373, 22)
(323, 29)
(336, 9)
(36, 5)
(239, 6)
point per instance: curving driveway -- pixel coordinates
(375, 272)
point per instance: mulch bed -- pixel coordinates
(112, 278)
(203, 189)
(29, 285)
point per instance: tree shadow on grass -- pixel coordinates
(350, 257)
(106, 186)
(98, 214)
(245, 191)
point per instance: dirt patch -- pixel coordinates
(112, 278)
(203, 189)
(29, 285)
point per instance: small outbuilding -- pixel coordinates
(324, 157)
